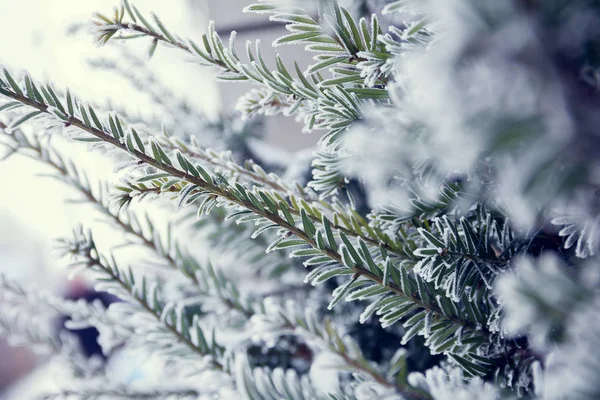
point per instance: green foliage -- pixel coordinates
(396, 292)
(330, 105)
(438, 266)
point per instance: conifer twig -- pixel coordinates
(215, 187)
(83, 249)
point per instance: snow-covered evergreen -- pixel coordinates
(444, 248)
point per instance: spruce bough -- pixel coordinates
(450, 271)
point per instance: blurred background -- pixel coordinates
(49, 39)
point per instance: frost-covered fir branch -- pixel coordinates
(343, 218)
(346, 220)
(331, 252)
(153, 318)
(97, 386)
(207, 281)
(561, 323)
(460, 136)
(122, 393)
(21, 320)
(176, 116)
(30, 316)
(323, 104)
(278, 318)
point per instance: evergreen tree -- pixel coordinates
(448, 227)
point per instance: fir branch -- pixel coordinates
(23, 321)
(271, 209)
(122, 393)
(339, 216)
(325, 105)
(464, 255)
(30, 315)
(230, 238)
(263, 383)
(428, 120)
(207, 281)
(332, 33)
(84, 252)
(347, 221)
(352, 51)
(283, 318)
(224, 163)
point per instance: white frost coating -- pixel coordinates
(544, 279)
(580, 231)
(452, 102)
(322, 375)
(449, 384)
(575, 367)
(560, 315)
(261, 101)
